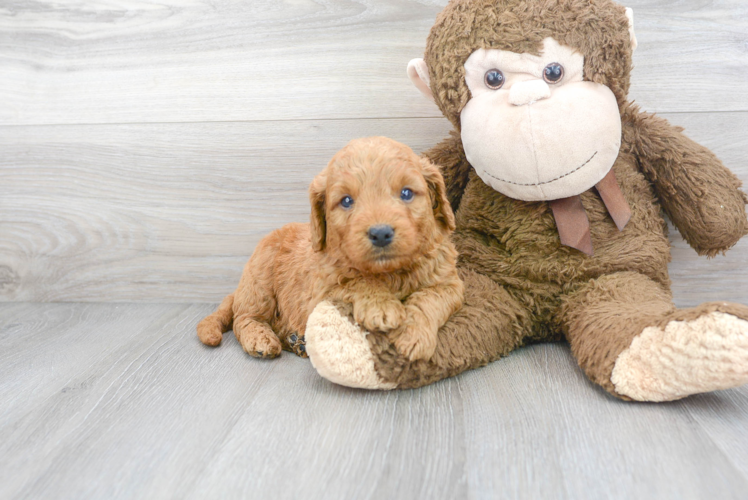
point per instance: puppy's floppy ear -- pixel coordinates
(442, 209)
(318, 222)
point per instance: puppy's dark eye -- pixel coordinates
(553, 73)
(346, 202)
(406, 194)
(494, 79)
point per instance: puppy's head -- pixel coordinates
(379, 206)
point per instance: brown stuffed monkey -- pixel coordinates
(559, 185)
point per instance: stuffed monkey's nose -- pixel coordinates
(528, 92)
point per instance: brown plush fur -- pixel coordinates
(521, 284)
(408, 288)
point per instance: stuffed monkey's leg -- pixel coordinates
(627, 336)
(490, 324)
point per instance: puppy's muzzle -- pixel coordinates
(381, 235)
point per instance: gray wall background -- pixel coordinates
(146, 147)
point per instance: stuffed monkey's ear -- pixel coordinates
(418, 73)
(317, 220)
(630, 16)
(438, 191)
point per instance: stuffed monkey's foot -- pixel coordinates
(339, 350)
(683, 358)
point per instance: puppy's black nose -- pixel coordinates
(381, 235)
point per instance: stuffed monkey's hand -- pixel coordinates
(416, 338)
(699, 194)
(379, 313)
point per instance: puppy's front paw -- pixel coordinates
(414, 341)
(379, 315)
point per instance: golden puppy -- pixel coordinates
(378, 239)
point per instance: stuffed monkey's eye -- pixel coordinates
(346, 202)
(494, 79)
(406, 194)
(553, 73)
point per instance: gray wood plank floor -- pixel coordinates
(122, 401)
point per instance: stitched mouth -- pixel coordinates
(544, 182)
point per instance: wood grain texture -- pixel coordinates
(154, 414)
(171, 212)
(166, 209)
(189, 60)
(562, 438)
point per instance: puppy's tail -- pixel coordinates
(211, 329)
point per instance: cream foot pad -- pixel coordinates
(687, 357)
(339, 351)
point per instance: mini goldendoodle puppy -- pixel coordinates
(378, 239)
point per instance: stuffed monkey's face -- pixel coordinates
(533, 129)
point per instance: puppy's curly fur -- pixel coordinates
(408, 287)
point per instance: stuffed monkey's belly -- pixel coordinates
(509, 239)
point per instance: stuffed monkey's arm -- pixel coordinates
(699, 194)
(449, 156)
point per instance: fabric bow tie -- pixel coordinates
(571, 219)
